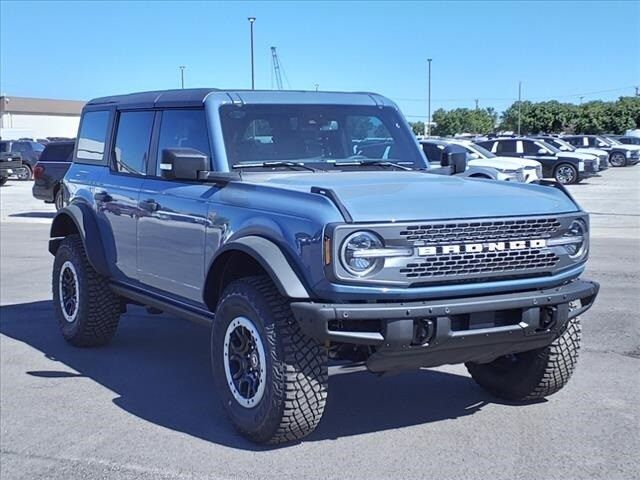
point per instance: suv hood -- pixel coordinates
(523, 162)
(592, 151)
(498, 163)
(383, 196)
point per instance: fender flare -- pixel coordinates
(83, 218)
(271, 258)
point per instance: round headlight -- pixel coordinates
(578, 231)
(354, 253)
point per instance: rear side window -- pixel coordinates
(184, 129)
(4, 147)
(93, 133)
(21, 147)
(57, 153)
(133, 137)
(506, 146)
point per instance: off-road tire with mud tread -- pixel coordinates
(532, 375)
(297, 370)
(98, 313)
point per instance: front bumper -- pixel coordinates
(436, 332)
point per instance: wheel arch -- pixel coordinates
(248, 256)
(79, 219)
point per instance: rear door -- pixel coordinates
(507, 148)
(173, 213)
(118, 189)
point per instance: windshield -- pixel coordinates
(480, 150)
(549, 146)
(610, 141)
(320, 136)
(558, 142)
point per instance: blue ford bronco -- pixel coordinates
(306, 228)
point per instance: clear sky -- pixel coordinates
(561, 50)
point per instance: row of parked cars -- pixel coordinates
(569, 159)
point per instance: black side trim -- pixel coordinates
(333, 196)
(179, 309)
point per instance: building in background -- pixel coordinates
(23, 117)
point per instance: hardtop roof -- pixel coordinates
(197, 96)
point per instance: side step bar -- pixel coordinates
(173, 307)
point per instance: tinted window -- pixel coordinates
(506, 146)
(574, 141)
(93, 133)
(433, 152)
(530, 148)
(132, 142)
(187, 129)
(38, 147)
(57, 152)
(4, 147)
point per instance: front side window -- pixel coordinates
(530, 148)
(132, 142)
(92, 136)
(184, 129)
(506, 146)
(318, 135)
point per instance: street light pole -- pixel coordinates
(253, 81)
(182, 67)
(428, 129)
(519, 106)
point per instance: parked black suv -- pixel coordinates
(29, 152)
(50, 170)
(10, 163)
(629, 140)
(565, 167)
(564, 146)
(620, 155)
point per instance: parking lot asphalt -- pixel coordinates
(144, 407)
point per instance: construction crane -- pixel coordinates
(276, 68)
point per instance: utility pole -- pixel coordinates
(476, 103)
(637, 91)
(253, 80)
(316, 85)
(428, 129)
(182, 67)
(519, 106)
(581, 97)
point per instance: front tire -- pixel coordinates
(566, 174)
(58, 200)
(531, 375)
(88, 311)
(272, 379)
(3, 180)
(618, 159)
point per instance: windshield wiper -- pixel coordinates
(291, 165)
(381, 163)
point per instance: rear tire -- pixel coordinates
(24, 173)
(531, 375)
(272, 379)
(88, 311)
(618, 159)
(3, 180)
(566, 174)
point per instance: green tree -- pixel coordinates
(417, 127)
(463, 120)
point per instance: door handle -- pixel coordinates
(102, 197)
(149, 205)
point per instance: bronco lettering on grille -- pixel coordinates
(481, 247)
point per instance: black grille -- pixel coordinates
(481, 231)
(478, 263)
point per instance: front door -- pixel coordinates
(173, 218)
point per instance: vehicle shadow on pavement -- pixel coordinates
(159, 368)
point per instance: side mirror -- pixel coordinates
(542, 151)
(183, 163)
(564, 148)
(455, 160)
(473, 156)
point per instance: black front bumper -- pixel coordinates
(436, 332)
